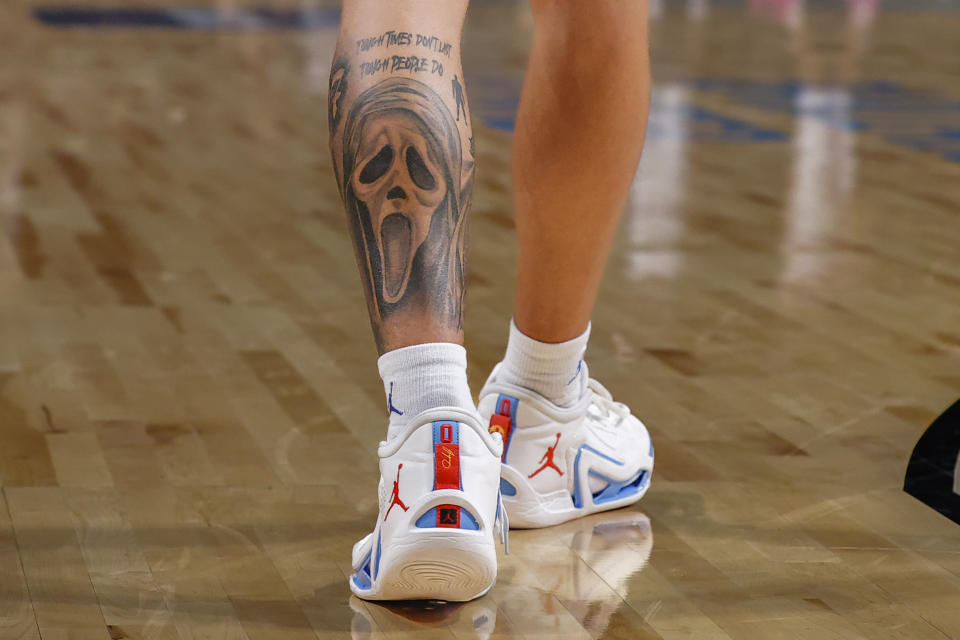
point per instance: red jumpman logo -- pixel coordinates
(547, 459)
(395, 496)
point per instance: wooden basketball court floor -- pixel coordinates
(189, 404)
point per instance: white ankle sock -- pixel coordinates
(421, 377)
(550, 369)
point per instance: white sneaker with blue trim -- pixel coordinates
(561, 463)
(440, 511)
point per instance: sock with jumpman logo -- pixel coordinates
(550, 369)
(421, 377)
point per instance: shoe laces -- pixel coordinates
(501, 524)
(603, 409)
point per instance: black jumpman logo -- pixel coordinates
(393, 409)
(448, 516)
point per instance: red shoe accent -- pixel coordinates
(446, 458)
(395, 496)
(547, 459)
(502, 424)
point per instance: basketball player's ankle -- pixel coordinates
(422, 377)
(550, 369)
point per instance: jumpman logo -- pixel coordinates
(547, 459)
(393, 409)
(395, 496)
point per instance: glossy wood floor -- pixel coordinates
(189, 405)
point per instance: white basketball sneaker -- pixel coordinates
(561, 463)
(440, 509)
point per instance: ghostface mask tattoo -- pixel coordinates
(403, 190)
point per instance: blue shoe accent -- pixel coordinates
(617, 490)
(507, 489)
(428, 520)
(467, 521)
(446, 436)
(361, 581)
(592, 450)
(362, 577)
(651, 447)
(376, 567)
(577, 495)
(577, 500)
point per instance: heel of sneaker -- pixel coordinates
(440, 549)
(442, 553)
(434, 538)
(459, 566)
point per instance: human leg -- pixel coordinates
(400, 140)
(571, 449)
(579, 132)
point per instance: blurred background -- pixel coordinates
(189, 403)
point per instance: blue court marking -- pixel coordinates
(190, 18)
(911, 118)
(914, 119)
(494, 99)
(710, 126)
(494, 95)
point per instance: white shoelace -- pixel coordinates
(501, 524)
(604, 410)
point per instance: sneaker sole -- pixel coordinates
(434, 564)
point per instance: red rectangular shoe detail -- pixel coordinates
(448, 515)
(446, 458)
(502, 425)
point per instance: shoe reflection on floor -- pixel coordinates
(556, 581)
(475, 619)
(562, 580)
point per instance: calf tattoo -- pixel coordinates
(406, 190)
(458, 98)
(338, 88)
